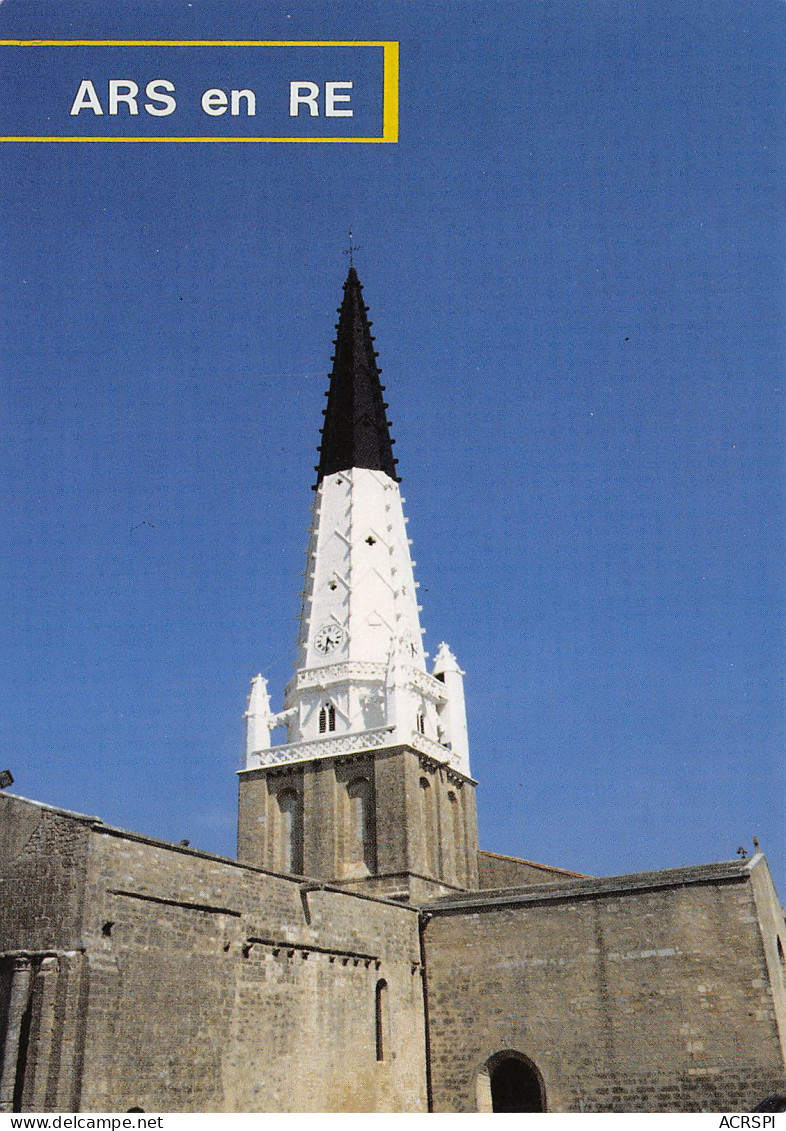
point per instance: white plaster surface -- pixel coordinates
(360, 647)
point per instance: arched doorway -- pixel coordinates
(510, 1082)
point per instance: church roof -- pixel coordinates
(356, 432)
(727, 871)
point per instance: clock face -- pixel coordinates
(408, 645)
(328, 638)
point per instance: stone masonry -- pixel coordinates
(653, 992)
(187, 982)
(135, 973)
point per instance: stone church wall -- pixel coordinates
(42, 875)
(135, 973)
(206, 985)
(645, 993)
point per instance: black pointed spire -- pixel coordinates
(356, 432)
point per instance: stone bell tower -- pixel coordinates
(371, 788)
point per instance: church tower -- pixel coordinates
(371, 788)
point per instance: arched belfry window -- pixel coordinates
(327, 718)
(382, 1020)
(290, 831)
(362, 836)
(457, 835)
(428, 812)
(421, 721)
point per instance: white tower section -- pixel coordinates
(359, 576)
(361, 681)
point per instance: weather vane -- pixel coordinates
(350, 251)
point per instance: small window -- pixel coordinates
(456, 825)
(382, 1013)
(421, 722)
(429, 818)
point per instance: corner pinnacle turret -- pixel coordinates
(356, 432)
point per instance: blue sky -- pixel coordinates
(573, 260)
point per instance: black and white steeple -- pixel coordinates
(361, 681)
